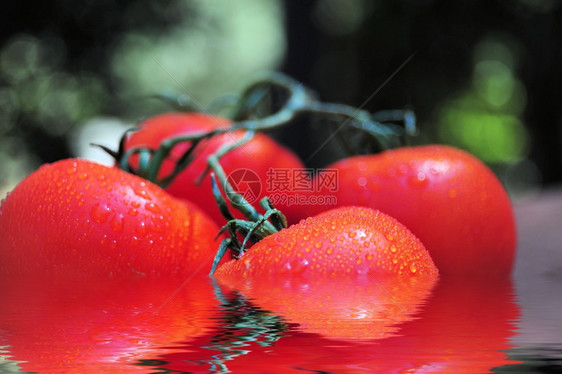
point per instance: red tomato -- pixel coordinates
(359, 268)
(79, 218)
(348, 242)
(106, 326)
(449, 199)
(248, 166)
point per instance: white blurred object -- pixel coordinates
(101, 130)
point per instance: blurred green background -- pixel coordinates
(483, 75)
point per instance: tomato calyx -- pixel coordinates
(258, 110)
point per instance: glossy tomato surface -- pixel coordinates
(344, 242)
(250, 167)
(449, 199)
(80, 218)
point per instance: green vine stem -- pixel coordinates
(299, 101)
(257, 226)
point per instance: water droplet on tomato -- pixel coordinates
(142, 228)
(117, 223)
(362, 165)
(83, 176)
(100, 212)
(413, 267)
(419, 180)
(299, 266)
(151, 207)
(393, 248)
(73, 169)
(362, 181)
(133, 212)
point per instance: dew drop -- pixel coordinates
(369, 257)
(151, 207)
(393, 248)
(419, 180)
(413, 267)
(362, 165)
(117, 223)
(72, 170)
(100, 212)
(83, 176)
(299, 266)
(140, 193)
(395, 260)
(133, 212)
(362, 181)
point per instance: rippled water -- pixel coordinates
(461, 326)
(146, 327)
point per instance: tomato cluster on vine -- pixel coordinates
(187, 198)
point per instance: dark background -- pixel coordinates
(345, 50)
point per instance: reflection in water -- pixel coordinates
(339, 308)
(464, 327)
(99, 327)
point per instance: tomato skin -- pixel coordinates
(259, 155)
(80, 218)
(449, 199)
(343, 242)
